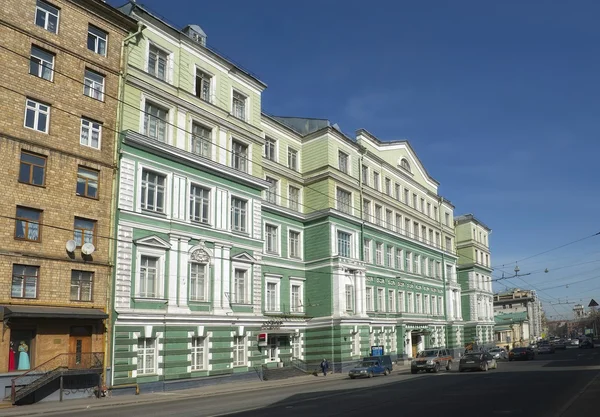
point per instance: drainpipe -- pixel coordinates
(108, 351)
(443, 270)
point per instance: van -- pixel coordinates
(384, 360)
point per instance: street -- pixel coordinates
(546, 386)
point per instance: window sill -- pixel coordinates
(150, 300)
(154, 213)
(87, 196)
(199, 302)
(22, 239)
(33, 185)
(240, 233)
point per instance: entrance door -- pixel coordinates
(273, 345)
(80, 348)
(415, 345)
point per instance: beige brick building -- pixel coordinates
(58, 87)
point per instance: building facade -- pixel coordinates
(474, 275)
(520, 301)
(61, 62)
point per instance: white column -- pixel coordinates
(217, 289)
(421, 344)
(222, 151)
(360, 293)
(339, 299)
(184, 248)
(172, 275)
(408, 336)
(226, 277)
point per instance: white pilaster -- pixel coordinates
(226, 277)
(339, 299)
(172, 275)
(180, 135)
(222, 151)
(409, 343)
(184, 248)
(217, 289)
(179, 197)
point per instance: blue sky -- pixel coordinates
(500, 100)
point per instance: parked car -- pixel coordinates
(574, 342)
(560, 344)
(431, 360)
(498, 353)
(545, 348)
(586, 344)
(521, 353)
(368, 369)
(477, 361)
(384, 360)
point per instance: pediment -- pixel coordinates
(244, 257)
(154, 241)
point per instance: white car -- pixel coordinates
(498, 353)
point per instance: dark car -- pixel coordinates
(545, 348)
(368, 369)
(477, 361)
(560, 344)
(586, 344)
(521, 353)
(384, 360)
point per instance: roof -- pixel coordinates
(304, 125)
(505, 318)
(466, 218)
(29, 311)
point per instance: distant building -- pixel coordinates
(579, 311)
(517, 301)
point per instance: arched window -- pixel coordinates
(404, 164)
(199, 275)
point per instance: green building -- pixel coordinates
(474, 276)
(246, 240)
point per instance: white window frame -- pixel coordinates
(389, 254)
(42, 63)
(408, 262)
(378, 214)
(46, 12)
(146, 117)
(368, 258)
(299, 283)
(294, 204)
(410, 301)
(345, 167)
(247, 299)
(144, 354)
(356, 344)
(370, 301)
(349, 298)
(391, 301)
(205, 142)
(376, 178)
(91, 128)
(37, 109)
(202, 298)
(97, 33)
(378, 253)
(272, 193)
(419, 303)
(239, 345)
(96, 88)
(296, 158)
(246, 102)
(168, 62)
(276, 281)
(166, 195)
(211, 84)
(271, 149)
(160, 273)
(400, 259)
(276, 249)
(350, 200)
(401, 302)
(337, 243)
(380, 300)
(193, 199)
(426, 304)
(245, 161)
(244, 228)
(199, 353)
(300, 243)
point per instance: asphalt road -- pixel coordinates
(544, 387)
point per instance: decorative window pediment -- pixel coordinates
(200, 253)
(244, 257)
(153, 241)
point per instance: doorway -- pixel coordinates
(273, 348)
(415, 344)
(80, 347)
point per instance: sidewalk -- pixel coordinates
(206, 391)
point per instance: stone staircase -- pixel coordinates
(272, 374)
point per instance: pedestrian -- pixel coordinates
(324, 366)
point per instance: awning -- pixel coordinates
(14, 311)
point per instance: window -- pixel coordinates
(437, 239)
(87, 182)
(238, 214)
(427, 309)
(430, 241)
(414, 201)
(198, 353)
(294, 198)
(32, 169)
(430, 268)
(146, 356)
(272, 190)
(379, 253)
(349, 297)
(198, 282)
(37, 115)
(449, 273)
(429, 209)
(376, 180)
(398, 192)
(487, 260)
(46, 16)
(407, 227)
(380, 300)
(388, 186)
(408, 262)
(389, 222)
(435, 212)
(91, 133)
(240, 286)
(448, 244)
(343, 162)
(41, 63)
(411, 305)
(203, 81)
(378, 214)
(24, 281)
(404, 164)
(199, 204)
(398, 223)
(239, 156)
(239, 351)
(96, 40)
(369, 298)
(365, 174)
(367, 250)
(416, 230)
(93, 85)
(272, 238)
(390, 257)
(422, 206)
(419, 304)
(28, 224)
(355, 344)
(271, 298)
(84, 231)
(296, 301)
(155, 122)
(438, 269)
(434, 309)
(401, 304)
(239, 105)
(294, 244)
(423, 233)
(292, 159)
(406, 193)
(81, 285)
(149, 277)
(366, 210)
(447, 219)
(343, 243)
(343, 198)
(270, 149)
(201, 140)
(153, 192)
(440, 307)
(390, 301)
(157, 62)
(399, 260)
(416, 264)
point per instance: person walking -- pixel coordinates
(324, 367)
